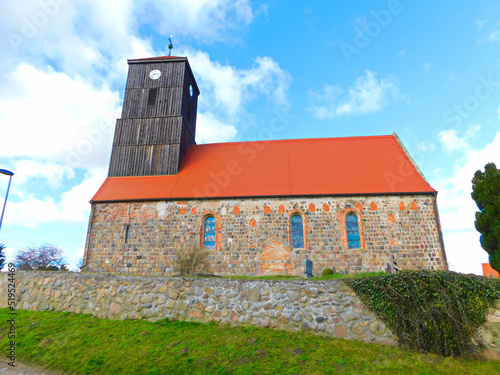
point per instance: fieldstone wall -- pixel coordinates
(253, 235)
(489, 335)
(324, 307)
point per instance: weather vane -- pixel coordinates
(170, 45)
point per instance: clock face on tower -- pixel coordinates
(155, 74)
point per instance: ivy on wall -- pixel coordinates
(431, 311)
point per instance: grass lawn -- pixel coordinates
(82, 344)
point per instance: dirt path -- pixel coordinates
(20, 369)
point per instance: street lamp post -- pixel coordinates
(10, 174)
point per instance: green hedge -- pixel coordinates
(431, 311)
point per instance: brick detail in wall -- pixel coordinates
(392, 230)
(275, 260)
(157, 230)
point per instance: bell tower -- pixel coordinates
(158, 121)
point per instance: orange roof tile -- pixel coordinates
(488, 270)
(296, 167)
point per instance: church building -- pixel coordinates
(258, 208)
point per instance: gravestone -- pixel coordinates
(308, 268)
(394, 263)
(392, 266)
(388, 268)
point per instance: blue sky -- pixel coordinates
(429, 71)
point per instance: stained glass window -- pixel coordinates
(210, 233)
(297, 231)
(352, 231)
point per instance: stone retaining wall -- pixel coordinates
(325, 307)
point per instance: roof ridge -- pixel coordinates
(409, 156)
(299, 139)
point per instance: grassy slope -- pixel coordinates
(81, 344)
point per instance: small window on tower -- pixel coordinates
(152, 97)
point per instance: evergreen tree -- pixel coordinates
(486, 193)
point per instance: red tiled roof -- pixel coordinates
(296, 167)
(488, 270)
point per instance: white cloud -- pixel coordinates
(205, 19)
(209, 129)
(53, 174)
(61, 65)
(427, 66)
(490, 33)
(369, 94)
(464, 252)
(79, 35)
(72, 208)
(451, 142)
(426, 146)
(480, 23)
(227, 89)
(53, 117)
(456, 205)
(494, 36)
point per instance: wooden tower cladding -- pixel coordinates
(158, 121)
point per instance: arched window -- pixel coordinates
(297, 231)
(352, 231)
(209, 233)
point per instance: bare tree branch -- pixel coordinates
(40, 256)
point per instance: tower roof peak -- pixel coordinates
(157, 59)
